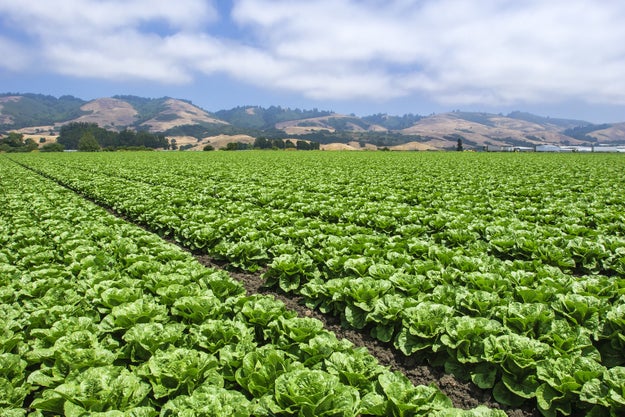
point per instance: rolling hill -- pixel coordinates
(36, 114)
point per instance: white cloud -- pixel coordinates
(108, 57)
(108, 39)
(67, 17)
(454, 51)
(498, 51)
(327, 30)
(548, 51)
(14, 59)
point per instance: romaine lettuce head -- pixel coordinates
(357, 368)
(13, 388)
(260, 368)
(314, 393)
(179, 371)
(404, 399)
(208, 401)
(144, 339)
(96, 389)
(608, 390)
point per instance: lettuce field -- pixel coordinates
(505, 270)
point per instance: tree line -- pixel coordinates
(14, 142)
(264, 143)
(88, 136)
(302, 145)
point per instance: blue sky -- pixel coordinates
(558, 58)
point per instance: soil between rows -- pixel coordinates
(465, 395)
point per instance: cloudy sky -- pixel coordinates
(558, 58)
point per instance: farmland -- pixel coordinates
(100, 317)
(505, 270)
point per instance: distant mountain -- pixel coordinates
(181, 119)
(119, 112)
(547, 121)
(255, 117)
(23, 110)
(609, 133)
(477, 130)
(393, 122)
(109, 113)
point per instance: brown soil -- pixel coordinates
(465, 395)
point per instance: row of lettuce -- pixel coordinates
(99, 317)
(506, 271)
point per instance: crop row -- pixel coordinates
(101, 317)
(559, 217)
(521, 293)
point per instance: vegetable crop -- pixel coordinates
(99, 317)
(505, 269)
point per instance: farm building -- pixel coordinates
(608, 149)
(496, 148)
(548, 148)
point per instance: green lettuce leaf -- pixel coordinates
(260, 368)
(213, 335)
(178, 371)
(208, 401)
(144, 339)
(312, 393)
(607, 390)
(197, 309)
(404, 399)
(356, 368)
(96, 389)
(465, 336)
(13, 387)
(143, 310)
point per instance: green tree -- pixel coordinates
(459, 146)
(30, 145)
(52, 147)
(14, 140)
(127, 137)
(262, 143)
(70, 134)
(237, 146)
(208, 148)
(88, 143)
